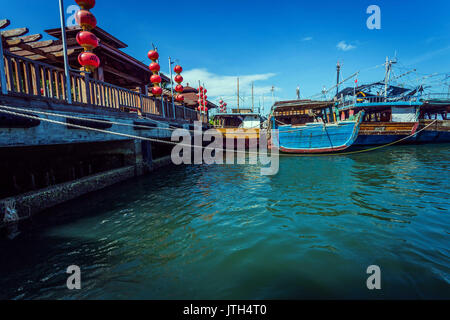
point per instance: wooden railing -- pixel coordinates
(27, 77)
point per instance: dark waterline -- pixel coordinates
(226, 232)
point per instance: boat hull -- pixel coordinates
(316, 138)
(239, 136)
(380, 133)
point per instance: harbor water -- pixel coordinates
(226, 232)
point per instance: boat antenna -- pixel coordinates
(338, 71)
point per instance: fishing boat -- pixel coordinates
(306, 126)
(241, 126)
(399, 115)
(395, 114)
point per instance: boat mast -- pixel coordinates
(253, 99)
(387, 76)
(338, 69)
(238, 94)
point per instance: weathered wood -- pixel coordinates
(40, 44)
(60, 54)
(36, 57)
(27, 47)
(10, 43)
(4, 23)
(38, 79)
(14, 32)
(9, 73)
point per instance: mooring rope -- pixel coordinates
(202, 147)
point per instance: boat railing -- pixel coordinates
(30, 78)
(351, 100)
(436, 96)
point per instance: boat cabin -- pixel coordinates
(239, 118)
(301, 112)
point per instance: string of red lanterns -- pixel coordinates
(223, 106)
(85, 38)
(154, 68)
(202, 102)
(179, 79)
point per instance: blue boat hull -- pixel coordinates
(316, 137)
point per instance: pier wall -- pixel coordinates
(43, 164)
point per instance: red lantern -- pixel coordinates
(155, 79)
(205, 97)
(225, 104)
(89, 60)
(86, 19)
(199, 102)
(179, 88)
(180, 98)
(157, 91)
(178, 69)
(178, 79)
(200, 89)
(199, 108)
(153, 55)
(221, 101)
(205, 91)
(154, 67)
(87, 40)
(206, 109)
(86, 4)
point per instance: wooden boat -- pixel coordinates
(241, 126)
(305, 126)
(397, 117)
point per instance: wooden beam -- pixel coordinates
(30, 38)
(10, 43)
(37, 51)
(14, 32)
(60, 54)
(4, 23)
(56, 55)
(40, 44)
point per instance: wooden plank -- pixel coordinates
(55, 74)
(29, 38)
(60, 54)
(7, 72)
(38, 79)
(34, 83)
(50, 82)
(11, 43)
(10, 71)
(14, 32)
(40, 44)
(44, 81)
(36, 57)
(63, 85)
(4, 23)
(17, 66)
(27, 78)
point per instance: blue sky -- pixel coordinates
(279, 43)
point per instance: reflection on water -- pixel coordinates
(221, 232)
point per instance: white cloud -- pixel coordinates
(345, 46)
(307, 38)
(225, 87)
